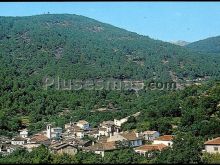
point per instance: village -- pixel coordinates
(80, 136)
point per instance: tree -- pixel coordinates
(186, 149)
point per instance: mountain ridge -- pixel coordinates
(208, 45)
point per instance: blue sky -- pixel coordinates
(168, 21)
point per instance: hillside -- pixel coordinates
(76, 47)
(58, 44)
(180, 43)
(209, 45)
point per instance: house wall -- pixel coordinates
(115, 138)
(84, 126)
(140, 152)
(120, 122)
(211, 148)
(68, 150)
(167, 143)
(136, 143)
(103, 133)
(17, 142)
(23, 134)
(102, 153)
(151, 137)
(80, 134)
(30, 146)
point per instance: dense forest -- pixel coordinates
(209, 45)
(76, 47)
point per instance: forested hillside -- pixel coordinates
(209, 45)
(76, 47)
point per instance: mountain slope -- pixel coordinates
(76, 47)
(180, 43)
(57, 44)
(209, 45)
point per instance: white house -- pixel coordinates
(83, 124)
(75, 132)
(213, 146)
(103, 132)
(24, 133)
(120, 122)
(53, 132)
(146, 150)
(132, 138)
(18, 141)
(150, 135)
(79, 134)
(165, 139)
(109, 126)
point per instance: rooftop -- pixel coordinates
(165, 138)
(149, 132)
(18, 139)
(130, 135)
(82, 122)
(107, 146)
(151, 147)
(59, 146)
(38, 138)
(215, 141)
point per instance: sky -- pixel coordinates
(167, 21)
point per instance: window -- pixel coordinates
(215, 148)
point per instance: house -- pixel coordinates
(79, 143)
(213, 146)
(147, 150)
(93, 132)
(120, 121)
(150, 135)
(18, 141)
(63, 148)
(75, 132)
(103, 132)
(4, 139)
(101, 148)
(165, 139)
(24, 133)
(68, 125)
(53, 132)
(83, 124)
(133, 139)
(124, 120)
(37, 140)
(6, 148)
(109, 126)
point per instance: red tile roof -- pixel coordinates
(38, 138)
(151, 147)
(215, 141)
(165, 138)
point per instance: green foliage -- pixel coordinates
(125, 156)
(211, 158)
(209, 45)
(186, 149)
